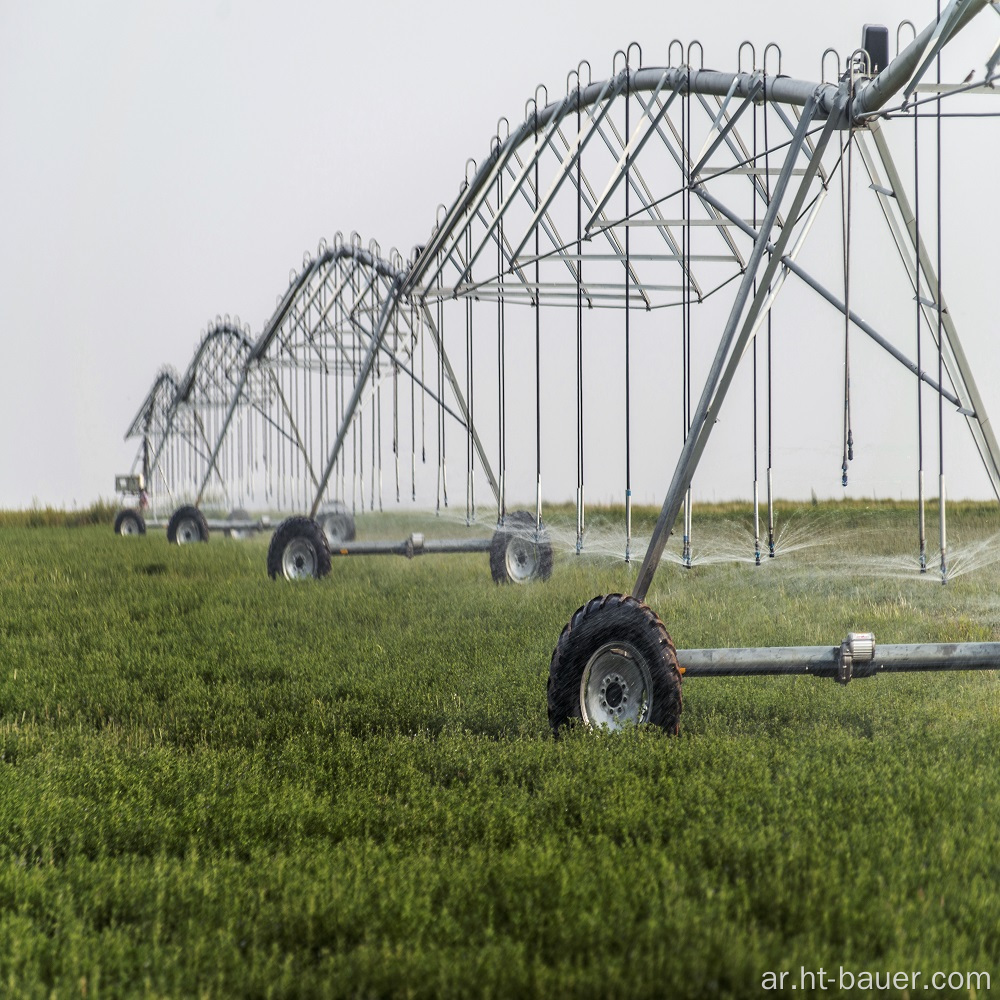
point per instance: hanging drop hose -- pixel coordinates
(538, 360)
(846, 224)
(628, 352)
(442, 437)
(413, 405)
(686, 308)
(921, 508)
(756, 491)
(395, 405)
(579, 337)
(501, 463)
(470, 451)
(940, 334)
(770, 369)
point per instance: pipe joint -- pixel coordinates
(414, 545)
(857, 657)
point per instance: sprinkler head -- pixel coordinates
(843, 481)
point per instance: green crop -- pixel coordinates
(214, 785)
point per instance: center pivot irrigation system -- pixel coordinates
(612, 210)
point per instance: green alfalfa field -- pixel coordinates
(216, 785)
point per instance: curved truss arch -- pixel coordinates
(152, 425)
(157, 404)
(643, 193)
(339, 338)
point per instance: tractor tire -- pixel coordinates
(337, 523)
(130, 522)
(517, 553)
(298, 551)
(187, 524)
(615, 664)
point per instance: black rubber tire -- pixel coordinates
(337, 522)
(606, 620)
(187, 513)
(519, 527)
(291, 530)
(129, 516)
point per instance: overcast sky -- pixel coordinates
(162, 163)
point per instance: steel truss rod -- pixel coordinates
(731, 120)
(190, 438)
(375, 266)
(569, 161)
(877, 92)
(297, 440)
(709, 82)
(788, 262)
(186, 385)
(956, 363)
(705, 83)
(222, 433)
(309, 332)
(388, 305)
(460, 400)
(635, 144)
(286, 303)
(391, 302)
(732, 346)
(423, 385)
(546, 224)
(388, 352)
(630, 151)
(542, 142)
(682, 160)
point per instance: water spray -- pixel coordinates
(628, 526)
(922, 521)
(756, 525)
(770, 514)
(944, 534)
(686, 555)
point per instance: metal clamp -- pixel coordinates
(414, 545)
(857, 650)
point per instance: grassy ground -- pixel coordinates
(216, 785)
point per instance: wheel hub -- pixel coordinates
(299, 559)
(614, 693)
(522, 559)
(188, 531)
(615, 687)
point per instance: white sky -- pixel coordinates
(164, 163)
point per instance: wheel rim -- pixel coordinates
(299, 561)
(522, 559)
(333, 529)
(616, 687)
(188, 531)
(129, 526)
